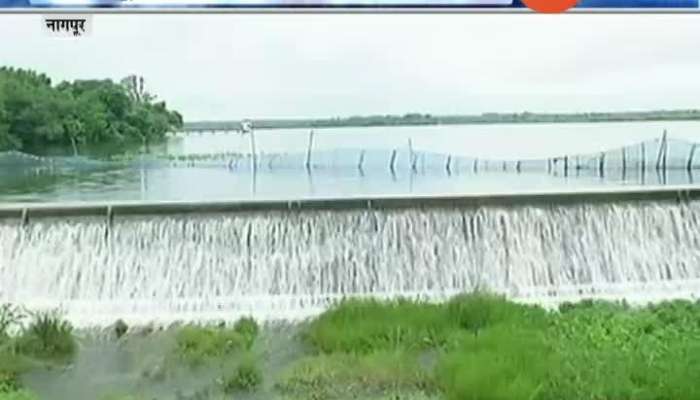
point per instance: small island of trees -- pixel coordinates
(36, 114)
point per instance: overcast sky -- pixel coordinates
(255, 66)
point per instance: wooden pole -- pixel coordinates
(689, 165)
(413, 160)
(361, 160)
(253, 154)
(662, 149)
(308, 150)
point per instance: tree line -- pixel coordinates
(35, 113)
(417, 119)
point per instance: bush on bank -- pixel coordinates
(489, 348)
(476, 346)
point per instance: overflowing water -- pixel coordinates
(290, 265)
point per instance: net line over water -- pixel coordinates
(290, 265)
(661, 154)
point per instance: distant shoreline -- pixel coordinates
(415, 119)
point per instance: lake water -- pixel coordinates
(369, 161)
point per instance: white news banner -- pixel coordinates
(67, 25)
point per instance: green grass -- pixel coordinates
(342, 375)
(248, 328)
(48, 337)
(364, 326)
(17, 395)
(472, 347)
(488, 348)
(246, 376)
(197, 345)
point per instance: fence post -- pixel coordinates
(660, 157)
(253, 154)
(308, 150)
(361, 160)
(689, 166)
(413, 160)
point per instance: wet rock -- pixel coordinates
(120, 328)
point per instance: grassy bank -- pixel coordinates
(475, 346)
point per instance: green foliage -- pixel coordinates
(490, 349)
(10, 317)
(248, 328)
(196, 345)
(246, 376)
(364, 326)
(48, 337)
(331, 376)
(612, 351)
(501, 363)
(34, 113)
(476, 311)
(17, 395)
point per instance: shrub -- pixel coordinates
(476, 311)
(196, 344)
(247, 376)
(248, 328)
(10, 316)
(49, 337)
(364, 326)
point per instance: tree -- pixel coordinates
(34, 113)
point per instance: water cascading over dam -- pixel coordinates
(288, 264)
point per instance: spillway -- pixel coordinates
(279, 261)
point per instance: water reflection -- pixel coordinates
(195, 183)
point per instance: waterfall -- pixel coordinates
(291, 265)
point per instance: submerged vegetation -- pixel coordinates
(35, 113)
(477, 346)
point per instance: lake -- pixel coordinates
(368, 161)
